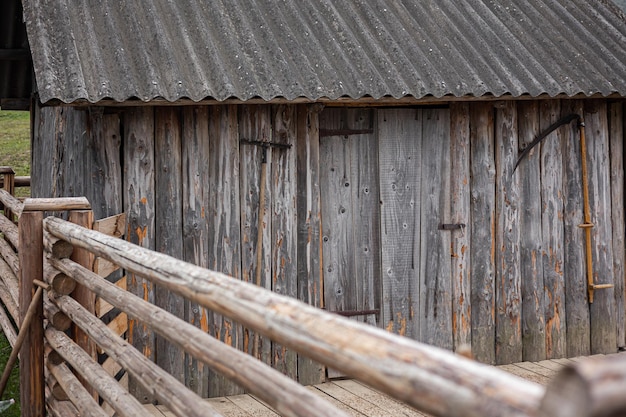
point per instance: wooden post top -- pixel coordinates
(56, 204)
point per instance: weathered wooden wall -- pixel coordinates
(512, 281)
(353, 214)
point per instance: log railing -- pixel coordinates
(428, 378)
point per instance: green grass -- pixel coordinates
(15, 141)
(14, 152)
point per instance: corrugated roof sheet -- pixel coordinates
(220, 49)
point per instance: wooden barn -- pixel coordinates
(359, 156)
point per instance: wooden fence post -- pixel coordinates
(81, 294)
(32, 353)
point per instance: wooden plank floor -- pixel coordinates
(359, 400)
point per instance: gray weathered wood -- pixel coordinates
(602, 310)
(139, 200)
(43, 143)
(576, 301)
(435, 312)
(310, 275)
(531, 266)
(280, 391)
(460, 213)
(156, 382)
(224, 231)
(364, 184)
(255, 124)
(424, 376)
(104, 187)
(552, 231)
(75, 391)
(616, 143)
(108, 388)
(508, 281)
(169, 223)
(284, 223)
(336, 199)
(592, 387)
(400, 144)
(196, 184)
(482, 232)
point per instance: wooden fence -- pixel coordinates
(61, 373)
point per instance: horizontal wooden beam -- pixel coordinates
(56, 204)
(106, 385)
(267, 383)
(431, 379)
(167, 389)
(21, 181)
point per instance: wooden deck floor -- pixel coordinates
(359, 400)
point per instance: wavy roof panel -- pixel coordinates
(220, 49)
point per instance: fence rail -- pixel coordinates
(430, 379)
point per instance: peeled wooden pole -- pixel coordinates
(9, 230)
(108, 388)
(7, 327)
(10, 202)
(595, 386)
(164, 387)
(431, 379)
(284, 395)
(77, 394)
(24, 329)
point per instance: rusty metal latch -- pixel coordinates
(451, 226)
(352, 313)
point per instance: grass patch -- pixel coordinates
(14, 152)
(15, 144)
(13, 387)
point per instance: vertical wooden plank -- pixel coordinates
(435, 260)
(284, 223)
(482, 231)
(104, 190)
(169, 224)
(552, 230)
(196, 182)
(531, 266)
(602, 310)
(309, 226)
(400, 147)
(365, 211)
(460, 214)
(616, 138)
(139, 198)
(337, 231)
(75, 161)
(82, 295)
(30, 254)
(576, 301)
(255, 124)
(43, 150)
(224, 230)
(508, 291)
